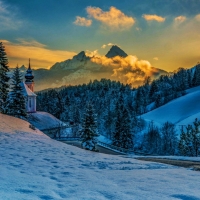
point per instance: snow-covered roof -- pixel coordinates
(44, 120)
(26, 90)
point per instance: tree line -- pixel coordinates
(12, 100)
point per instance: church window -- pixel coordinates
(30, 103)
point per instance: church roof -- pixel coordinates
(29, 76)
(27, 91)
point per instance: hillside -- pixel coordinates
(35, 167)
(180, 111)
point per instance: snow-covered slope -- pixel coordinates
(12, 125)
(35, 167)
(180, 111)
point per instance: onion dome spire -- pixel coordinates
(29, 76)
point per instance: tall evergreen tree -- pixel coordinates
(122, 136)
(89, 129)
(153, 90)
(196, 77)
(152, 140)
(189, 144)
(169, 138)
(189, 77)
(4, 78)
(17, 99)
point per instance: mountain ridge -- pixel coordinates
(115, 65)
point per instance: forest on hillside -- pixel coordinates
(69, 103)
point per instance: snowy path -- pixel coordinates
(100, 148)
(182, 163)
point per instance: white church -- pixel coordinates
(28, 89)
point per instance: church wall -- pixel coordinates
(31, 104)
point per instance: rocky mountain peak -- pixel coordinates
(115, 51)
(80, 56)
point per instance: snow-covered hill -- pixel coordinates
(35, 167)
(180, 111)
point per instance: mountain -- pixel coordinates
(115, 51)
(115, 65)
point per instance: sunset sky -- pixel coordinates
(164, 32)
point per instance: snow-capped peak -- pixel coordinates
(81, 56)
(115, 51)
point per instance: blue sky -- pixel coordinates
(164, 32)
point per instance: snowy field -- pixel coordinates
(180, 111)
(34, 167)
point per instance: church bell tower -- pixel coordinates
(29, 78)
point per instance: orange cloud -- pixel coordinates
(91, 53)
(82, 21)
(109, 44)
(114, 18)
(103, 46)
(155, 58)
(197, 17)
(180, 19)
(128, 70)
(40, 55)
(153, 18)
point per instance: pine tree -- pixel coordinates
(189, 144)
(153, 90)
(17, 99)
(89, 129)
(158, 101)
(4, 78)
(122, 136)
(189, 77)
(169, 138)
(152, 139)
(196, 77)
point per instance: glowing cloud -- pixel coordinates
(41, 56)
(114, 18)
(82, 21)
(180, 19)
(153, 18)
(128, 70)
(155, 58)
(109, 44)
(92, 53)
(197, 17)
(103, 46)
(8, 18)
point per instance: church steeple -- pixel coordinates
(29, 77)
